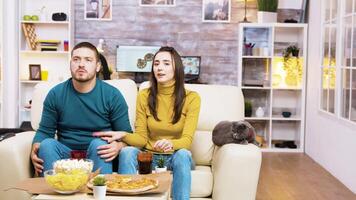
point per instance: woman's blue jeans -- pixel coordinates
(180, 162)
(52, 150)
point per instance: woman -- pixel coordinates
(166, 119)
(104, 73)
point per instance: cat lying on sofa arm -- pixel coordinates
(238, 132)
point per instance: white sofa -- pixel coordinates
(230, 172)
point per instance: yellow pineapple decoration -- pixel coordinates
(292, 66)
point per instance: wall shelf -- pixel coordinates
(44, 52)
(45, 22)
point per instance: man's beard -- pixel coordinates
(82, 79)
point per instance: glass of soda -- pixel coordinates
(144, 160)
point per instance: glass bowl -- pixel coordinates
(69, 176)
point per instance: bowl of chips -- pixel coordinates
(69, 175)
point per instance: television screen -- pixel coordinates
(135, 58)
(191, 65)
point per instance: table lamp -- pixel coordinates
(245, 18)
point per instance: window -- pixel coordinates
(339, 59)
(328, 62)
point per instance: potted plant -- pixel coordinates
(267, 11)
(161, 165)
(248, 108)
(99, 187)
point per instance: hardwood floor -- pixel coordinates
(294, 176)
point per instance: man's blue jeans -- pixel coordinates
(180, 162)
(52, 150)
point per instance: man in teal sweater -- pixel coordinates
(74, 110)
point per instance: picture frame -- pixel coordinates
(191, 65)
(98, 10)
(216, 11)
(157, 3)
(35, 72)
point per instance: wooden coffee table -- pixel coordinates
(83, 196)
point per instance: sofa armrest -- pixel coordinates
(15, 164)
(236, 170)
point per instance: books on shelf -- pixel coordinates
(48, 45)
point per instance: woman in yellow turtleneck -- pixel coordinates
(166, 119)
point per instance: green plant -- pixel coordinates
(99, 181)
(161, 162)
(248, 108)
(267, 5)
(291, 50)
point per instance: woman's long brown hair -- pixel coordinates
(179, 90)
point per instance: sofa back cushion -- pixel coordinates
(127, 88)
(218, 103)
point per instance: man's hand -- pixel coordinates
(164, 145)
(110, 136)
(36, 161)
(111, 150)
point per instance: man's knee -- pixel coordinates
(48, 144)
(128, 153)
(95, 143)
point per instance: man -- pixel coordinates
(74, 110)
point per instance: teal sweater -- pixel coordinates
(75, 116)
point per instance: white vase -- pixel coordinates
(160, 170)
(266, 17)
(99, 192)
(260, 112)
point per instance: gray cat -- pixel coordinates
(238, 132)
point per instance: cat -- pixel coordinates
(238, 132)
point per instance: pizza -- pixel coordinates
(127, 184)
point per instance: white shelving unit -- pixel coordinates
(55, 62)
(272, 83)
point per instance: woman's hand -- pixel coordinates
(110, 136)
(110, 151)
(163, 145)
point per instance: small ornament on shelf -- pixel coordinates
(292, 66)
(260, 112)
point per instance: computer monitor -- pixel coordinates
(191, 67)
(135, 58)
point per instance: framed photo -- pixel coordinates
(98, 10)
(216, 11)
(157, 2)
(35, 72)
(191, 65)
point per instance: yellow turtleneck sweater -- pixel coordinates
(148, 130)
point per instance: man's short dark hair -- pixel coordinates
(89, 46)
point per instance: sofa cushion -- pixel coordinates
(127, 88)
(202, 181)
(202, 148)
(218, 103)
(38, 97)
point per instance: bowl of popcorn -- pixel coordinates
(69, 175)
